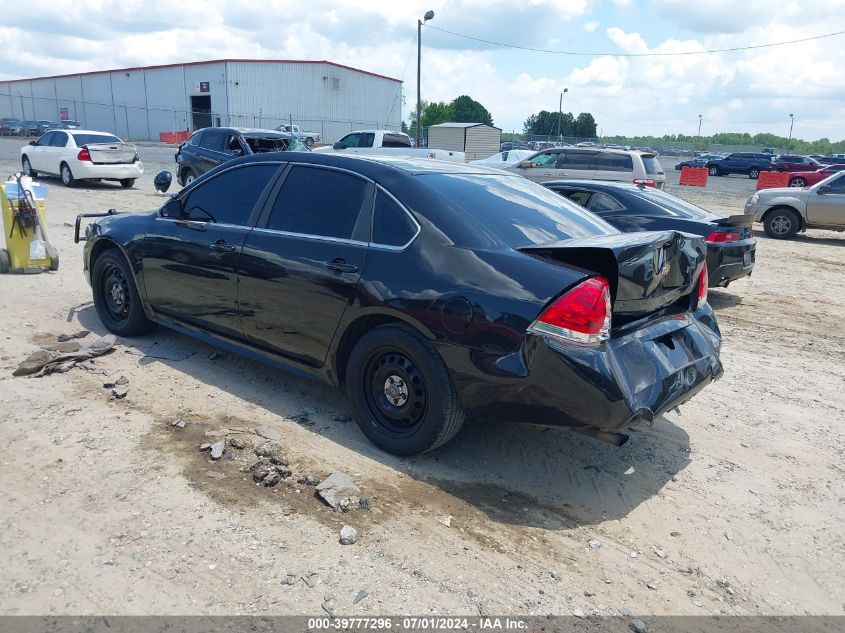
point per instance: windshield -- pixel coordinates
(514, 211)
(671, 204)
(90, 139)
(652, 165)
(261, 144)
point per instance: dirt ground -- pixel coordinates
(736, 505)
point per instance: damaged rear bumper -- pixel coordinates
(634, 376)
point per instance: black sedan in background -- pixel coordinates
(430, 290)
(730, 239)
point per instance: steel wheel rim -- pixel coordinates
(754, 173)
(781, 225)
(189, 179)
(116, 294)
(395, 392)
(797, 183)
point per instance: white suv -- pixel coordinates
(592, 163)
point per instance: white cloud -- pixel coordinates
(591, 26)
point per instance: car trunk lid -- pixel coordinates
(111, 153)
(743, 224)
(647, 271)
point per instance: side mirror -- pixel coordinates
(32, 142)
(823, 189)
(237, 152)
(338, 145)
(172, 209)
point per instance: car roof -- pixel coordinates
(372, 164)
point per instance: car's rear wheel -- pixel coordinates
(714, 171)
(309, 141)
(27, 168)
(127, 183)
(754, 173)
(798, 182)
(188, 177)
(66, 175)
(116, 297)
(401, 394)
(781, 224)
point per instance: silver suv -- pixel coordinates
(592, 163)
(786, 211)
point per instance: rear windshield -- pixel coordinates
(673, 205)
(259, 145)
(90, 139)
(514, 211)
(652, 165)
(396, 140)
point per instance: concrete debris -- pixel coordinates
(360, 596)
(289, 580)
(217, 449)
(339, 491)
(651, 585)
(348, 535)
(119, 392)
(46, 361)
(76, 335)
(123, 380)
(589, 593)
(260, 470)
(237, 442)
(445, 520)
(179, 424)
(579, 613)
(638, 626)
(556, 575)
(267, 433)
(272, 479)
(364, 503)
(311, 580)
(205, 447)
(272, 452)
(595, 544)
(308, 479)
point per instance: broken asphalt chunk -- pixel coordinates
(339, 491)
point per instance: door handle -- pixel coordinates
(339, 265)
(222, 247)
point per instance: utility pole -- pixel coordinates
(698, 139)
(791, 121)
(560, 112)
(429, 15)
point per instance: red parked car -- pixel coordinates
(796, 163)
(807, 178)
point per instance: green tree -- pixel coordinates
(585, 126)
(465, 109)
(436, 113)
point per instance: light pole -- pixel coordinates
(698, 140)
(429, 15)
(791, 121)
(560, 112)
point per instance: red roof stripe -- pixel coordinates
(210, 61)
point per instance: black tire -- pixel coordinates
(54, 263)
(714, 171)
(5, 262)
(26, 167)
(754, 173)
(781, 224)
(116, 297)
(127, 183)
(66, 175)
(422, 411)
(798, 182)
(188, 176)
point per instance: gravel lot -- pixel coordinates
(735, 506)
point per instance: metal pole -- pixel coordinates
(698, 140)
(791, 121)
(559, 114)
(419, 90)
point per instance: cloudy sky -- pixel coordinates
(751, 91)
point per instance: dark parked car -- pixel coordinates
(630, 208)
(796, 163)
(747, 163)
(509, 145)
(11, 127)
(698, 161)
(212, 146)
(430, 290)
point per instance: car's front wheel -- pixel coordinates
(401, 394)
(798, 182)
(127, 183)
(781, 224)
(754, 173)
(309, 141)
(66, 175)
(27, 168)
(188, 177)
(116, 297)
(714, 171)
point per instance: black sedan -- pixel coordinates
(431, 291)
(731, 247)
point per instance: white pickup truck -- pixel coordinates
(309, 138)
(387, 142)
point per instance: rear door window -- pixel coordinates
(607, 161)
(392, 226)
(395, 140)
(59, 139)
(213, 140)
(603, 203)
(319, 202)
(577, 160)
(46, 140)
(230, 197)
(579, 197)
(652, 165)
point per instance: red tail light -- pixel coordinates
(702, 287)
(718, 237)
(582, 315)
(83, 154)
(644, 182)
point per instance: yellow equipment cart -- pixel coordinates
(28, 249)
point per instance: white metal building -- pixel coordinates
(140, 103)
(477, 140)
